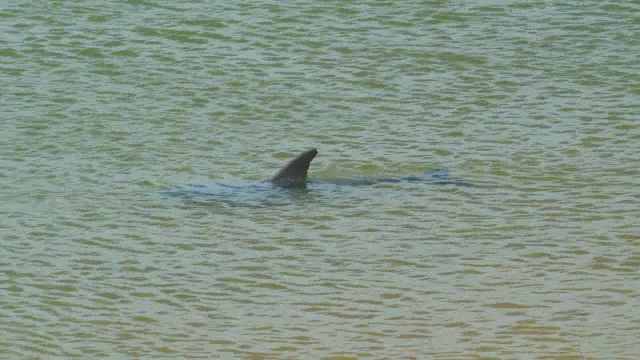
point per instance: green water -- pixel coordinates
(105, 105)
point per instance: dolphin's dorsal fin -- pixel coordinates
(295, 173)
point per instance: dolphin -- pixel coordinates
(295, 175)
(292, 177)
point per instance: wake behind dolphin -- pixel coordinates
(278, 190)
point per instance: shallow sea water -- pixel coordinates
(106, 106)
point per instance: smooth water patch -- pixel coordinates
(249, 194)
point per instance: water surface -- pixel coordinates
(104, 106)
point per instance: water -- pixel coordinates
(104, 106)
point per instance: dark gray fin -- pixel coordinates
(295, 173)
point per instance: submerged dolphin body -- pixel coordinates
(279, 189)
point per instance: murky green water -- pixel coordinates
(106, 105)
